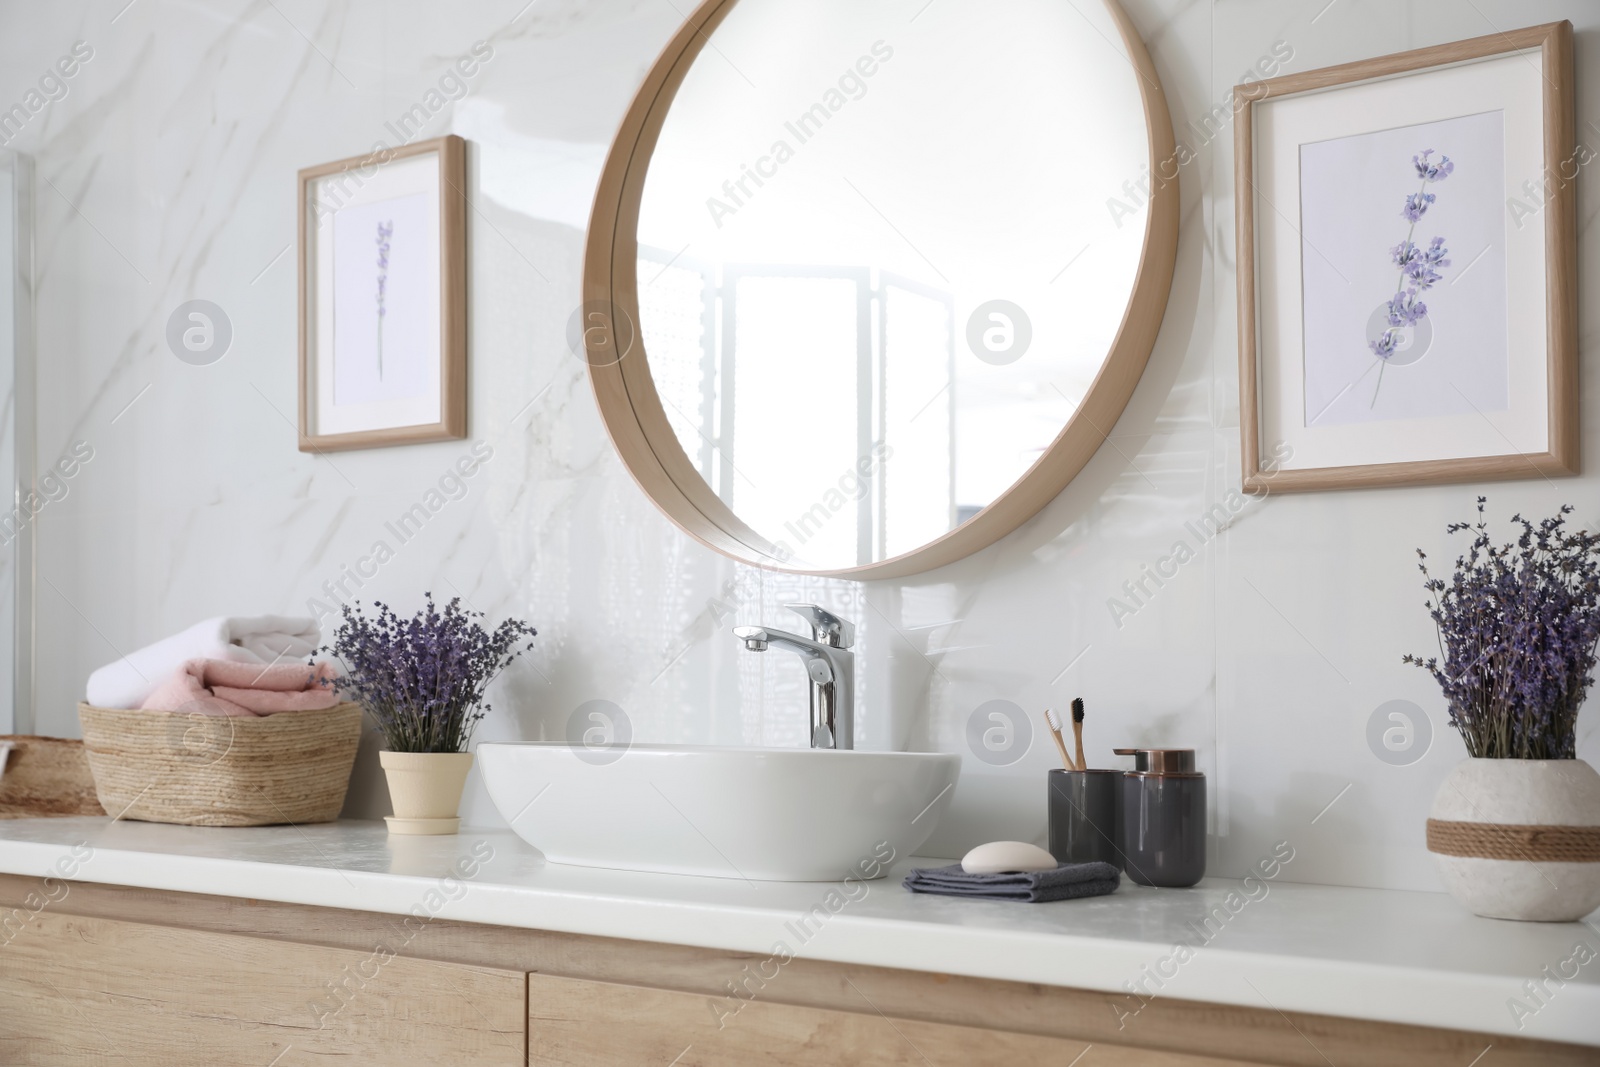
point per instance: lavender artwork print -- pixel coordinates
(1414, 329)
(1401, 318)
(383, 273)
(385, 231)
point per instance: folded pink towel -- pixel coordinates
(220, 687)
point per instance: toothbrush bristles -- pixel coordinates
(1054, 722)
(1077, 709)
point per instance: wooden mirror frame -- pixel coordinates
(637, 422)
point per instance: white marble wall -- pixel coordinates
(167, 173)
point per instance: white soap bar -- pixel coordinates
(1003, 857)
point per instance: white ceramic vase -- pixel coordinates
(425, 790)
(1519, 839)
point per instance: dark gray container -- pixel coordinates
(1083, 816)
(1163, 817)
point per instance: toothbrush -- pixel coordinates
(1054, 722)
(1077, 731)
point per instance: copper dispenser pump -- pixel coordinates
(1160, 760)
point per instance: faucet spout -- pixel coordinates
(754, 637)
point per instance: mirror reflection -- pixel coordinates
(872, 288)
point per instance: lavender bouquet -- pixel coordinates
(1517, 627)
(423, 679)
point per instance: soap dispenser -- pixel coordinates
(1163, 814)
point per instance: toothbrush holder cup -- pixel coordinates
(1085, 823)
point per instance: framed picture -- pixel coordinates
(383, 298)
(1407, 256)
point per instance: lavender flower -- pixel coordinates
(1432, 172)
(385, 231)
(423, 679)
(1417, 206)
(1419, 267)
(1405, 309)
(1517, 625)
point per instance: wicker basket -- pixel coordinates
(209, 770)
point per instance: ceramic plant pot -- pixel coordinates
(1519, 839)
(425, 790)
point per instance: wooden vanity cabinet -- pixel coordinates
(139, 978)
(80, 990)
(579, 1022)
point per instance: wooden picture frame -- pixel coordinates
(1306, 103)
(425, 397)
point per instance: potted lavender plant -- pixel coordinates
(423, 680)
(1515, 829)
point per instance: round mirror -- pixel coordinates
(868, 284)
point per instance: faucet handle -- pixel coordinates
(826, 627)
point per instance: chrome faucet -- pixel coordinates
(829, 663)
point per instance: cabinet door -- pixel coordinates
(574, 1023)
(79, 990)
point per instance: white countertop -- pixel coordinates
(1365, 953)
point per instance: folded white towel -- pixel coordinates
(252, 639)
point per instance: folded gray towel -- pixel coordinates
(1066, 882)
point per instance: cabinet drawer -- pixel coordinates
(79, 990)
(575, 1023)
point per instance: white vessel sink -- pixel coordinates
(767, 814)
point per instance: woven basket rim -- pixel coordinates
(250, 722)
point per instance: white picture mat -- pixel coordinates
(399, 179)
(1511, 84)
